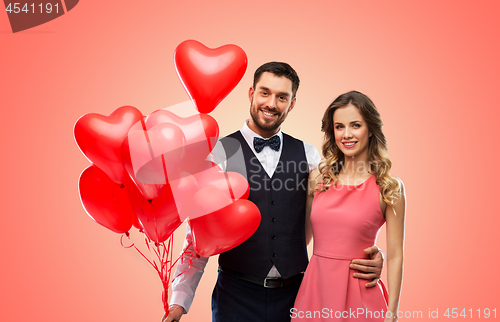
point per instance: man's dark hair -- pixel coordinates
(279, 69)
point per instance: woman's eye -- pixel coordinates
(356, 126)
(338, 127)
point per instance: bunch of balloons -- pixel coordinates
(152, 172)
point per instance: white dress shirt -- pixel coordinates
(184, 286)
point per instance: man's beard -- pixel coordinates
(272, 127)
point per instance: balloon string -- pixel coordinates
(138, 250)
(229, 186)
(192, 257)
(181, 258)
(164, 168)
(145, 131)
(167, 274)
(163, 253)
(121, 240)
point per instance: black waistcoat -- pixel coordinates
(280, 238)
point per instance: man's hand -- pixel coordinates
(174, 313)
(370, 269)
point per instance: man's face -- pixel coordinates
(270, 102)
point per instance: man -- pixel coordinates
(259, 279)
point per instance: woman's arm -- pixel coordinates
(314, 179)
(395, 219)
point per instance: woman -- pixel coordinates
(354, 194)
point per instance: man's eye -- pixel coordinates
(264, 93)
(283, 98)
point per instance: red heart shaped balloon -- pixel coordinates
(151, 157)
(205, 201)
(209, 75)
(232, 184)
(129, 184)
(148, 191)
(158, 217)
(157, 154)
(214, 189)
(104, 201)
(184, 188)
(100, 138)
(225, 229)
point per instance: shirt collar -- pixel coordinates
(248, 134)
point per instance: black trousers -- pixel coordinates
(237, 300)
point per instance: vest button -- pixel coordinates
(273, 219)
(273, 202)
(273, 237)
(274, 255)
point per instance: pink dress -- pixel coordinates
(345, 220)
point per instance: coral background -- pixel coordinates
(431, 67)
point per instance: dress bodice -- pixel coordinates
(346, 219)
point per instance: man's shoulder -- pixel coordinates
(232, 141)
(306, 145)
(310, 150)
(291, 137)
(232, 135)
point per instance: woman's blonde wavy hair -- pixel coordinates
(378, 159)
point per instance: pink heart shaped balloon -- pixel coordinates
(201, 132)
(204, 202)
(232, 184)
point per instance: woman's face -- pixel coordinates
(351, 131)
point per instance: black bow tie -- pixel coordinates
(273, 143)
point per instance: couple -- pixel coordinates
(354, 194)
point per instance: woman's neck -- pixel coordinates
(354, 167)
